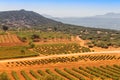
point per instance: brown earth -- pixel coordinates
(10, 40)
(60, 66)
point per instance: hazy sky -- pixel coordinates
(63, 8)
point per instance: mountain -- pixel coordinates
(28, 19)
(107, 21)
(109, 15)
(23, 18)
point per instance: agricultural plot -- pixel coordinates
(48, 49)
(42, 34)
(9, 40)
(8, 52)
(108, 72)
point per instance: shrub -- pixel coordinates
(90, 45)
(23, 39)
(35, 38)
(102, 45)
(31, 45)
(22, 51)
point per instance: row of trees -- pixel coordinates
(62, 60)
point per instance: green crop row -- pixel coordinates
(14, 74)
(62, 60)
(81, 73)
(74, 74)
(25, 75)
(48, 49)
(65, 74)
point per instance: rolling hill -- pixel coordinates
(23, 18)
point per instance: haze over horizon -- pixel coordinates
(63, 8)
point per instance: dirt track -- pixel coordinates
(62, 55)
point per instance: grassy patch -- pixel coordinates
(15, 52)
(43, 35)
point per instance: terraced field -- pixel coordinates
(9, 40)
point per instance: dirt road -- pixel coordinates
(55, 56)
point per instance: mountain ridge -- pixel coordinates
(23, 18)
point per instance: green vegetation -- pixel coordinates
(65, 74)
(14, 74)
(54, 76)
(83, 73)
(37, 35)
(98, 37)
(31, 45)
(2, 32)
(101, 38)
(108, 72)
(15, 52)
(4, 76)
(34, 74)
(74, 74)
(60, 48)
(50, 78)
(25, 75)
(42, 73)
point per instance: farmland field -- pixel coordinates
(68, 59)
(79, 67)
(68, 48)
(43, 36)
(108, 72)
(15, 52)
(45, 56)
(9, 40)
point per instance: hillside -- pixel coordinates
(23, 18)
(29, 19)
